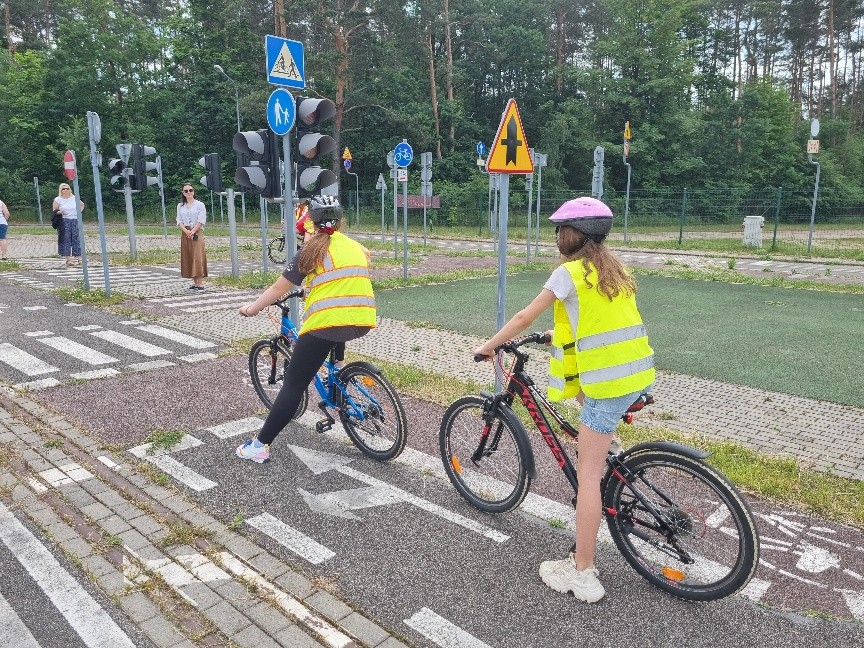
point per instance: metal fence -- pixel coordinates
(705, 219)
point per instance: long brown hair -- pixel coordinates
(313, 251)
(183, 195)
(613, 277)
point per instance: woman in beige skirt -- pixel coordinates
(191, 216)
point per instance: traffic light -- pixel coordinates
(117, 177)
(212, 178)
(426, 174)
(597, 176)
(312, 180)
(139, 179)
(261, 175)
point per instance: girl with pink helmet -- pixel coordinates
(599, 355)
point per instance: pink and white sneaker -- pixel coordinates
(258, 455)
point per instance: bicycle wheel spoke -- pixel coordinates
(371, 413)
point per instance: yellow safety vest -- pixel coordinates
(606, 353)
(340, 291)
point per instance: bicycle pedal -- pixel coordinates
(324, 425)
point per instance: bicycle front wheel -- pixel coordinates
(681, 525)
(484, 461)
(276, 250)
(263, 358)
(371, 412)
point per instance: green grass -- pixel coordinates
(9, 265)
(164, 439)
(93, 297)
(784, 339)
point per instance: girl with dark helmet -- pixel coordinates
(339, 307)
(600, 355)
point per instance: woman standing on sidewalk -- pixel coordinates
(600, 356)
(340, 306)
(68, 244)
(191, 216)
(4, 227)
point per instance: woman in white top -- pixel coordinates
(4, 226)
(191, 216)
(68, 244)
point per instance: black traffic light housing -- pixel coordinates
(139, 179)
(312, 179)
(212, 178)
(261, 175)
(117, 177)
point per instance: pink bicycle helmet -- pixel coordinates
(588, 215)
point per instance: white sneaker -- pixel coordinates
(561, 576)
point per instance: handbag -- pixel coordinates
(56, 217)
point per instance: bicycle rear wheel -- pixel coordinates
(484, 462)
(262, 358)
(276, 249)
(371, 412)
(706, 519)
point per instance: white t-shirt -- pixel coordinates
(67, 206)
(562, 286)
(3, 220)
(190, 214)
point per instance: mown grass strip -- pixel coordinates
(93, 297)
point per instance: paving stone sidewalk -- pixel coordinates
(179, 574)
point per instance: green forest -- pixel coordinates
(719, 93)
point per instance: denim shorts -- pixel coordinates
(604, 414)
(3, 229)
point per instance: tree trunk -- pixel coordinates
(433, 93)
(449, 46)
(9, 45)
(559, 50)
(279, 18)
(831, 58)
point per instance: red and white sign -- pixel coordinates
(69, 164)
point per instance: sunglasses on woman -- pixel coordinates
(188, 191)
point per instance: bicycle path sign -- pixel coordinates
(403, 154)
(285, 62)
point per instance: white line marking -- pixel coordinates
(38, 384)
(202, 567)
(78, 351)
(87, 618)
(315, 624)
(198, 357)
(233, 304)
(143, 451)
(236, 428)
(96, 373)
(133, 344)
(193, 300)
(11, 625)
(24, 362)
(441, 632)
(291, 538)
(181, 473)
(39, 333)
(35, 308)
(176, 336)
(149, 365)
(105, 460)
(89, 327)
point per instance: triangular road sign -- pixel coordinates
(285, 67)
(509, 152)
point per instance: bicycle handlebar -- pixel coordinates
(297, 292)
(510, 346)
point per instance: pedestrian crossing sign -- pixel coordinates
(285, 62)
(509, 152)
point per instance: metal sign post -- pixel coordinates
(94, 126)
(392, 164)
(540, 159)
(162, 197)
(627, 164)
(290, 232)
(263, 204)
(71, 169)
(38, 198)
(813, 147)
(232, 234)
(529, 188)
(381, 185)
(503, 215)
(403, 154)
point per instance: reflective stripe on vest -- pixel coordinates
(342, 273)
(618, 371)
(339, 302)
(611, 337)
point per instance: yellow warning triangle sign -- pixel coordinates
(509, 152)
(284, 67)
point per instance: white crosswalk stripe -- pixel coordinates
(203, 302)
(43, 359)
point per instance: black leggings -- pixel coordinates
(306, 359)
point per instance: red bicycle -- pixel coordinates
(678, 521)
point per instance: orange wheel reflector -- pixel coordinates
(368, 381)
(673, 574)
(456, 465)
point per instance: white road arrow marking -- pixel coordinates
(320, 462)
(441, 632)
(341, 503)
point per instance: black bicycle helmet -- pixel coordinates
(325, 211)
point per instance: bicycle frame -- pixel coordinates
(288, 336)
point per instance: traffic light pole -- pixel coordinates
(405, 230)
(94, 128)
(263, 204)
(80, 224)
(130, 218)
(232, 233)
(162, 197)
(290, 230)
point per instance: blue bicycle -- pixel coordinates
(364, 400)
